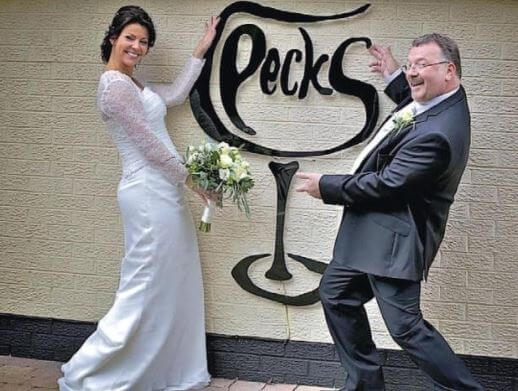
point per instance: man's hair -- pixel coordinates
(449, 48)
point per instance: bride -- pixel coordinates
(153, 337)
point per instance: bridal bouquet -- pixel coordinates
(219, 168)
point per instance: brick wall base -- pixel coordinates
(247, 358)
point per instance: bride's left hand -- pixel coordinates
(207, 195)
(208, 37)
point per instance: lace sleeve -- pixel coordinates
(120, 102)
(176, 92)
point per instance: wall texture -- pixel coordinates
(61, 238)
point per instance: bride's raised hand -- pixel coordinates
(208, 37)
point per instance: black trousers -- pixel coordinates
(344, 292)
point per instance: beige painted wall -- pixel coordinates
(61, 238)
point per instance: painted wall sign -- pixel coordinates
(268, 63)
(274, 73)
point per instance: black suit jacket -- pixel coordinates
(396, 205)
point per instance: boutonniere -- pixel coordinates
(402, 120)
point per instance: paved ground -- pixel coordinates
(23, 374)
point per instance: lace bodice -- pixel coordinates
(135, 119)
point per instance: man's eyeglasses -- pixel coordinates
(420, 66)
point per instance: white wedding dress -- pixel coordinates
(153, 337)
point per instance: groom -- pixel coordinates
(396, 201)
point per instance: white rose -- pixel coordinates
(224, 148)
(407, 117)
(225, 161)
(224, 173)
(240, 173)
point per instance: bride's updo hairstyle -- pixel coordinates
(126, 15)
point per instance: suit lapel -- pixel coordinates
(371, 159)
(458, 96)
(375, 150)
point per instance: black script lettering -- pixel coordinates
(267, 73)
(366, 92)
(311, 70)
(229, 76)
(285, 72)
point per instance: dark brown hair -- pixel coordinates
(124, 16)
(448, 46)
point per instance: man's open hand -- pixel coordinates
(310, 184)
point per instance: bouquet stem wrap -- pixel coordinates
(206, 218)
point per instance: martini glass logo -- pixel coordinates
(274, 75)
